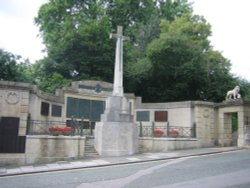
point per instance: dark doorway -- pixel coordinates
(234, 121)
(10, 142)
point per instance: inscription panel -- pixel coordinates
(83, 108)
(161, 116)
(142, 116)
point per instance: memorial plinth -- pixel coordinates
(117, 134)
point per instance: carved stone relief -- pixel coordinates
(12, 97)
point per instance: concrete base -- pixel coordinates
(116, 134)
(116, 138)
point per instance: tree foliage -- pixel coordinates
(14, 68)
(168, 58)
(181, 64)
(76, 33)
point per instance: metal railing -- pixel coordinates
(38, 127)
(81, 127)
(167, 131)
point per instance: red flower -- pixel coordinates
(173, 132)
(55, 128)
(158, 131)
(66, 129)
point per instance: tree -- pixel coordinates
(14, 68)
(181, 64)
(172, 62)
(8, 66)
(76, 34)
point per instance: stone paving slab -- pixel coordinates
(2, 170)
(14, 171)
(133, 159)
(41, 168)
(53, 166)
(101, 161)
(78, 164)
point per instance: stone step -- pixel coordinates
(140, 149)
(90, 149)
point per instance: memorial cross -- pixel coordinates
(118, 73)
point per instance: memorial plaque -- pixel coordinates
(97, 108)
(56, 111)
(161, 116)
(72, 107)
(142, 116)
(84, 108)
(9, 126)
(45, 108)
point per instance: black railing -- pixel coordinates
(82, 127)
(38, 127)
(166, 130)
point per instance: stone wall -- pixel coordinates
(167, 144)
(44, 149)
(205, 117)
(14, 102)
(224, 121)
(23, 100)
(179, 113)
(53, 148)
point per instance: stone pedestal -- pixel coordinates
(116, 134)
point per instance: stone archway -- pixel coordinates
(225, 111)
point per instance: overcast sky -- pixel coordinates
(229, 20)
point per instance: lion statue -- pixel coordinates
(233, 94)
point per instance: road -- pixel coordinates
(226, 170)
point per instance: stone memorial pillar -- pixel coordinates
(117, 134)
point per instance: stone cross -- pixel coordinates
(118, 73)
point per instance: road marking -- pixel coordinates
(121, 182)
(234, 179)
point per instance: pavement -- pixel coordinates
(111, 161)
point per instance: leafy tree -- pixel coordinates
(181, 64)
(168, 58)
(244, 88)
(8, 66)
(14, 68)
(25, 72)
(53, 82)
(76, 34)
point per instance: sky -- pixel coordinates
(228, 18)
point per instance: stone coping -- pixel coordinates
(56, 137)
(169, 105)
(168, 139)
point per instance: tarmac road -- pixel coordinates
(222, 170)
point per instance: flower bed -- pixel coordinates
(56, 130)
(158, 132)
(173, 132)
